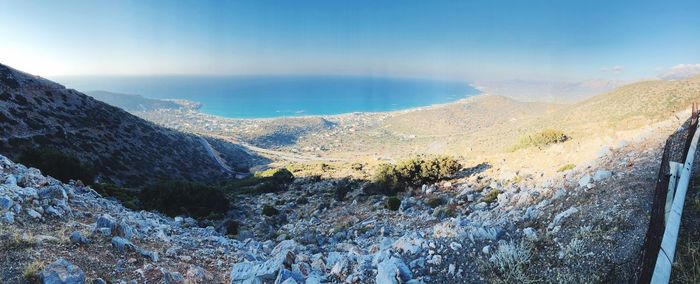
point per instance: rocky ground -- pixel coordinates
(584, 224)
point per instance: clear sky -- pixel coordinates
(465, 40)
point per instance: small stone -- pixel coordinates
(62, 272)
(122, 244)
(451, 269)
(486, 250)
(173, 277)
(8, 217)
(6, 202)
(105, 221)
(99, 281)
(455, 246)
(584, 181)
(530, 234)
(601, 175)
(78, 238)
(32, 213)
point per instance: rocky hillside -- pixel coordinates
(120, 147)
(481, 226)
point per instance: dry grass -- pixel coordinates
(32, 273)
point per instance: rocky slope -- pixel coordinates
(584, 224)
(120, 147)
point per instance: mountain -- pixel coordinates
(132, 103)
(36, 113)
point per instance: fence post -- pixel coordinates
(674, 168)
(664, 261)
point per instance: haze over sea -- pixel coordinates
(277, 96)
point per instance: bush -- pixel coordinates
(341, 189)
(491, 196)
(390, 179)
(541, 139)
(269, 210)
(386, 180)
(32, 273)
(180, 197)
(57, 164)
(435, 202)
(128, 198)
(357, 166)
(566, 167)
(280, 176)
(392, 203)
(231, 227)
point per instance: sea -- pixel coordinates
(282, 96)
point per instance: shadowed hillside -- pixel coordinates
(119, 147)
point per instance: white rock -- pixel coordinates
(391, 269)
(584, 181)
(602, 175)
(530, 234)
(559, 217)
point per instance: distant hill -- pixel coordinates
(132, 103)
(120, 147)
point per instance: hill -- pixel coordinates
(132, 103)
(36, 113)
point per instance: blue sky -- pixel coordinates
(462, 40)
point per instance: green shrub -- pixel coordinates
(566, 167)
(280, 175)
(541, 139)
(357, 166)
(491, 196)
(341, 189)
(57, 164)
(180, 197)
(32, 273)
(302, 200)
(386, 180)
(231, 227)
(128, 197)
(434, 202)
(269, 210)
(390, 179)
(392, 203)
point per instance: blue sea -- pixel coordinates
(277, 96)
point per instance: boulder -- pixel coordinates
(173, 277)
(32, 213)
(285, 275)
(78, 238)
(6, 202)
(62, 272)
(122, 244)
(584, 181)
(105, 221)
(393, 271)
(123, 230)
(32, 178)
(409, 244)
(197, 275)
(52, 192)
(601, 175)
(8, 217)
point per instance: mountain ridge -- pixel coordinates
(120, 147)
